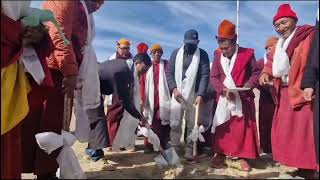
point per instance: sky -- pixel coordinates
(165, 22)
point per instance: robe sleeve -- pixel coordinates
(122, 81)
(255, 72)
(216, 76)
(64, 12)
(311, 73)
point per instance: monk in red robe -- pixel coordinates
(266, 103)
(158, 117)
(292, 128)
(234, 123)
(19, 91)
(64, 65)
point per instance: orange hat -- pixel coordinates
(271, 41)
(226, 30)
(156, 47)
(124, 41)
(285, 10)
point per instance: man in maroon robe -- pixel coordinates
(157, 123)
(292, 127)
(266, 103)
(236, 137)
(64, 65)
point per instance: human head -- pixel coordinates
(270, 43)
(191, 41)
(227, 38)
(142, 60)
(123, 47)
(285, 21)
(93, 5)
(156, 52)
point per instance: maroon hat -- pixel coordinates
(285, 10)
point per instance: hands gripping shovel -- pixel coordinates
(167, 157)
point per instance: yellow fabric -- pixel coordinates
(155, 47)
(124, 41)
(14, 90)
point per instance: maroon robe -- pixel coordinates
(266, 112)
(162, 131)
(238, 136)
(292, 136)
(47, 116)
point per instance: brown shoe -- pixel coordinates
(218, 161)
(240, 164)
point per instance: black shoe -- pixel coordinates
(148, 150)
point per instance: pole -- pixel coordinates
(237, 21)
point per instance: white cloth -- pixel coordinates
(281, 64)
(69, 167)
(185, 86)
(16, 9)
(164, 95)
(126, 136)
(196, 134)
(265, 59)
(89, 94)
(225, 108)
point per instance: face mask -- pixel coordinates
(190, 48)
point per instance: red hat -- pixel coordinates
(285, 10)
(142, 48)
(226, 30)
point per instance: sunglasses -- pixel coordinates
(124, 48)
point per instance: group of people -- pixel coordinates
(143, 91)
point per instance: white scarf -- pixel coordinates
(227, 108)
(265, 59)
(126, 136)
(185, 86)
(88, 97)
(164, 95)
(281, 65)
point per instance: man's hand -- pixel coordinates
(308, 93)
(69, 84)
(264, 79)
(177, 95)
(33, 35)
(228, 94)
(198, 100)
(144, 122)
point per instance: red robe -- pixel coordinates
(163, 131)
(266, 111)
(11, 50)
(238, 136)
(292, 128)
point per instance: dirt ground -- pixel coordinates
(137, 165)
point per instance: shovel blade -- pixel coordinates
(173, 158)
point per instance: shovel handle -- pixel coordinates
(66, 113)
(196, 120)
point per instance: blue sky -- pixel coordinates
(165, 22)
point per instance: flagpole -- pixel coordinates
(237, 21)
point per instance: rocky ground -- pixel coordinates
(137, 165)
